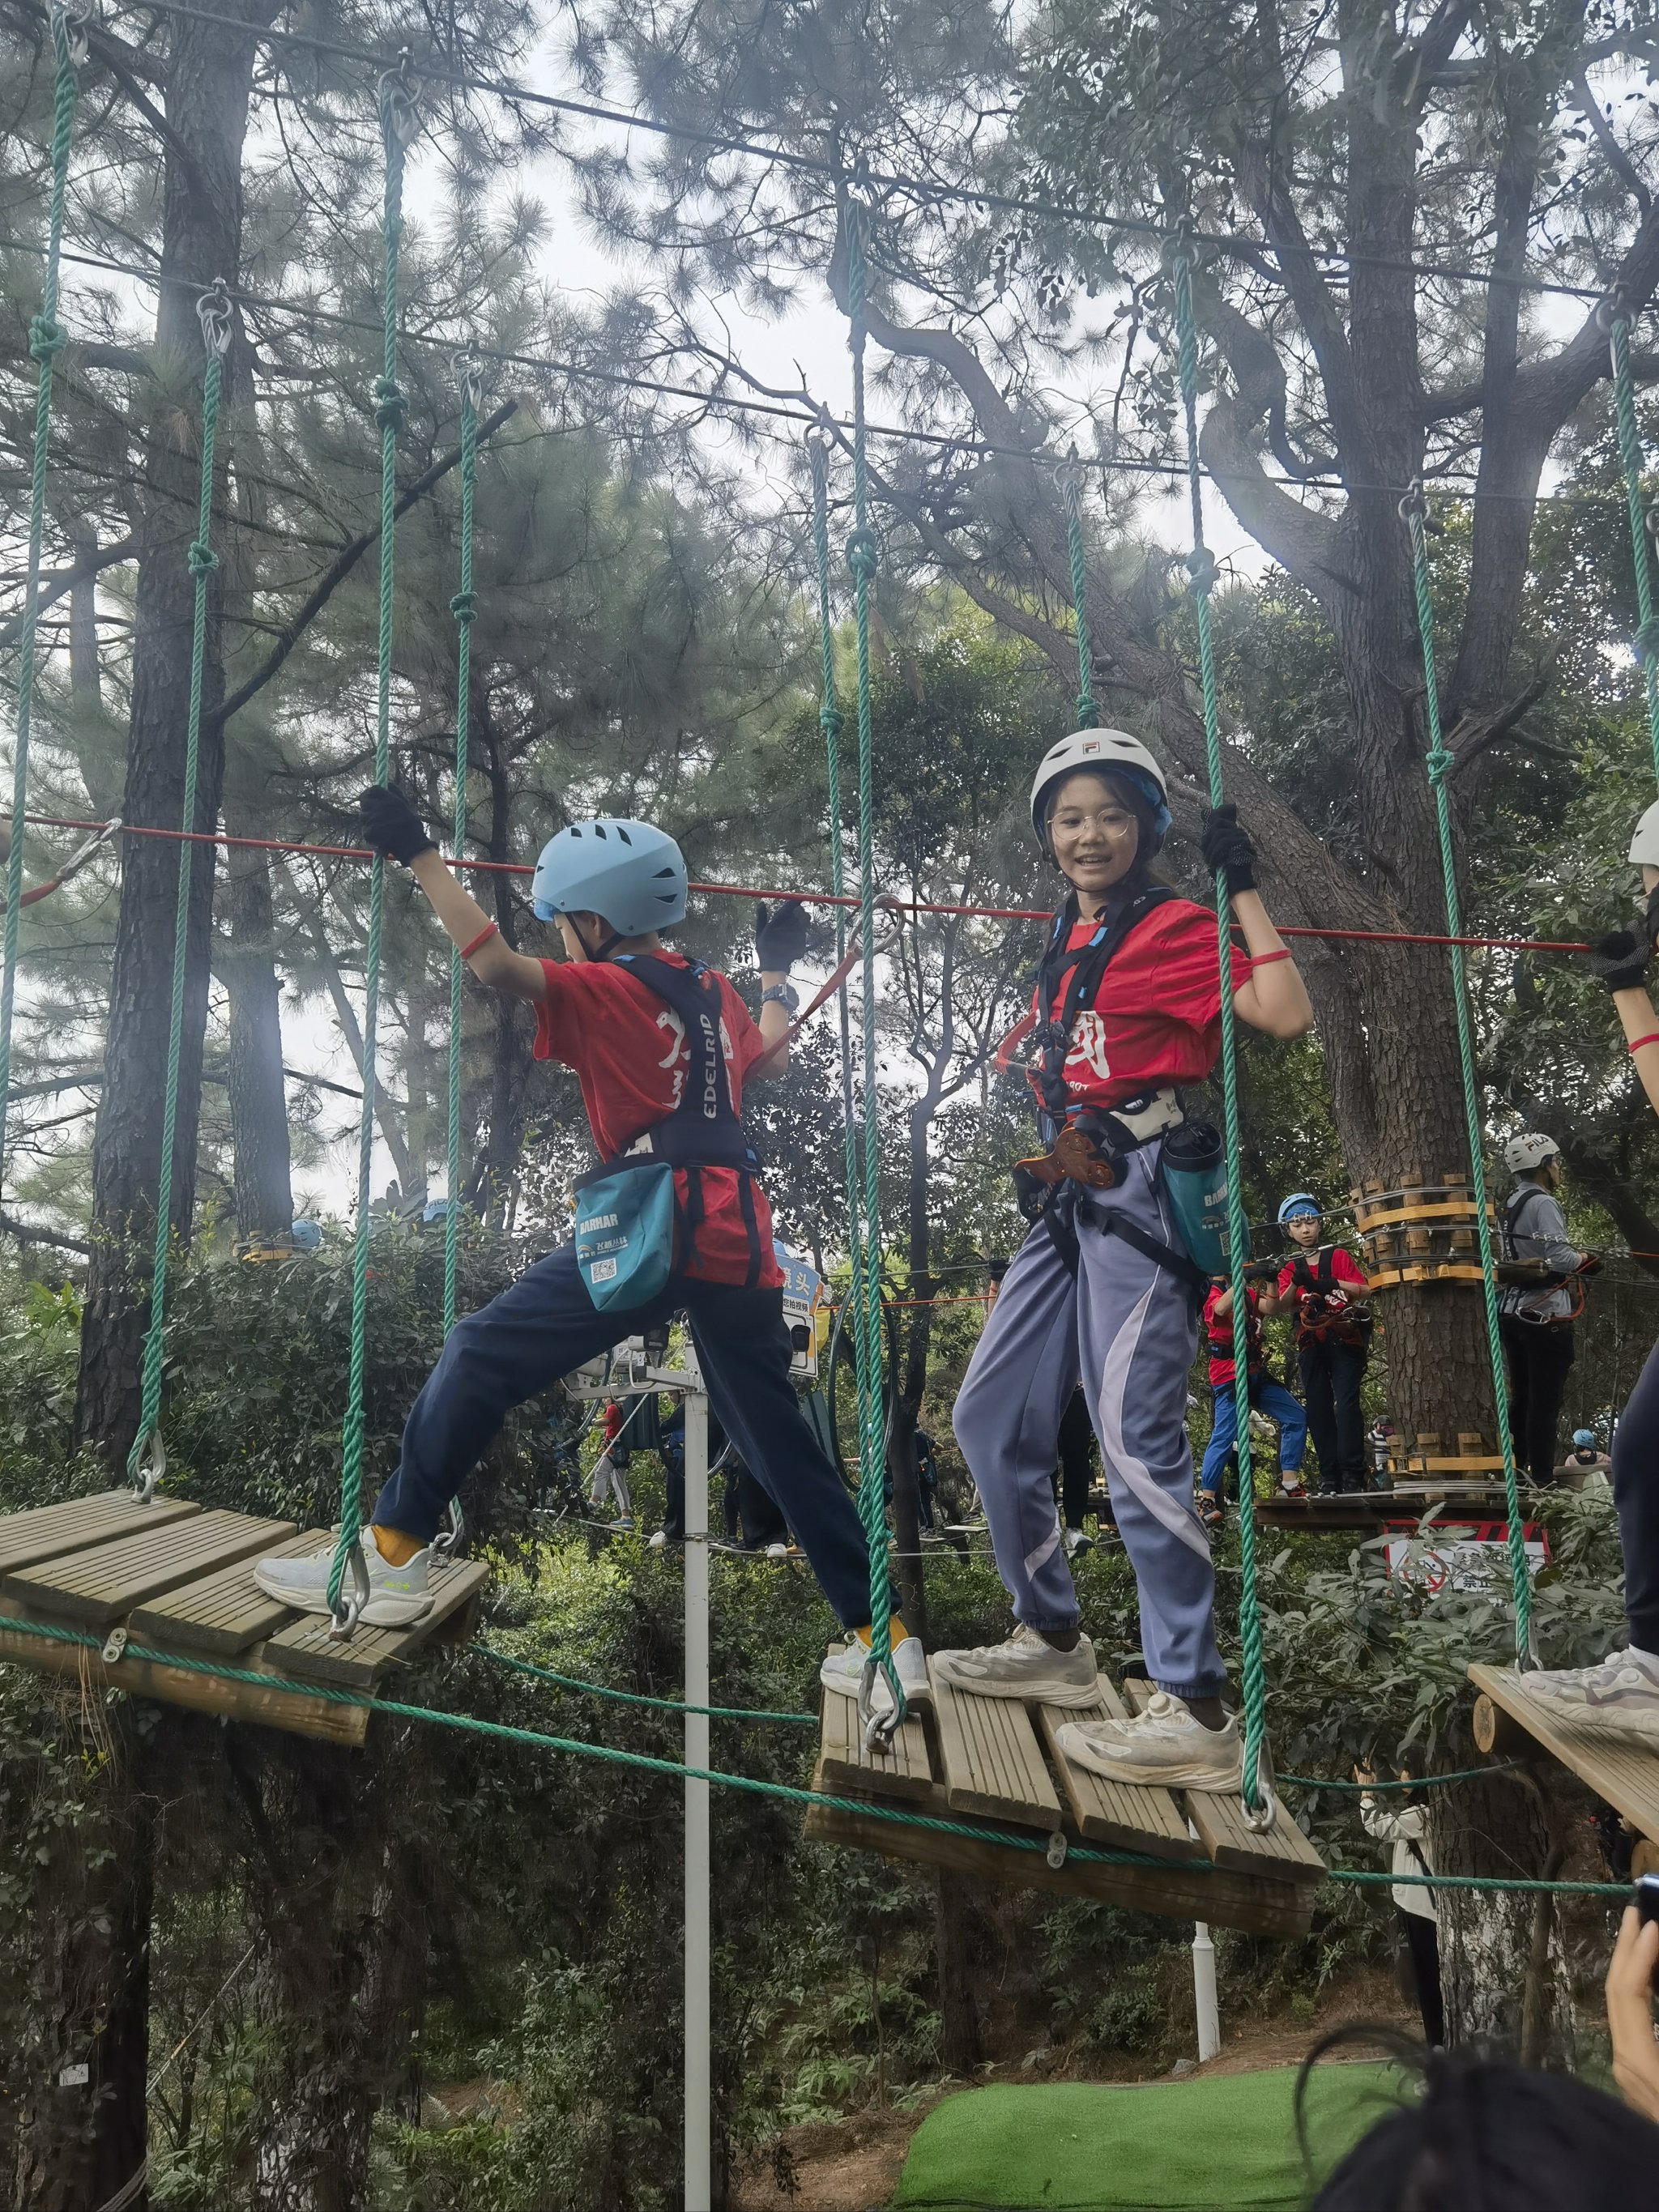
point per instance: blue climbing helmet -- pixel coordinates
(631, 873)
(1299, 1201)
(1584, 1438)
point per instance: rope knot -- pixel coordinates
(390, 409)
(201, 560)
(1439, 763)
(464, 606)
(830, 720)
(863, 554)
(1200, 567)
(1647, 639)
(44, 338)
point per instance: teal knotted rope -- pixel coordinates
(861, 559)
(213, 309)
(1438, 763)
(1258, 1785)
(398, 123)
(1613, 315)
(1071, 491)
(46, 342)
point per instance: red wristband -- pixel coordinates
(1267, 959)
(490, 929)
(1636, 1043)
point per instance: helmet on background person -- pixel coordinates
(1299, 1201)
(1523, 1154)
(1644, 841)
(1584, 1438)
(630, 873)
(1102, 753)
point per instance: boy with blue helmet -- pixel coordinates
(1324, 1284)
(661, 1046)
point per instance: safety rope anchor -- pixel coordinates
(146, 1486)
(348, 1610)
(880, 1728)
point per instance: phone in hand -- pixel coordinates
(1644, 1896)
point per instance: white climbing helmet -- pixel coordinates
(1644, 843)
(1105, 751)
(1523, 1154)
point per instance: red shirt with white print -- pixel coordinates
(630, 1055)
(1156, 1019)
(1219, 1334)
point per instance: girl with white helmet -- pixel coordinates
(1535, 1317)
(1126, 1009)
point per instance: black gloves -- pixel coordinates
(1618, 961)
(779, 935)
(1226, 846)
(391, 826)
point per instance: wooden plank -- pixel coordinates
(904, 1771)
(225, 1612)
(295, 1714)
(992, 1762)
(100, 1587)
(1224, 1900)
(1123, 1814)
(46, 1532)
(1280, 1853)
(308, 1648)
(1622, 1772)
(1338, 1513)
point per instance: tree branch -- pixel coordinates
(62, 580)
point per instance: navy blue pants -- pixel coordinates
(545, 1325)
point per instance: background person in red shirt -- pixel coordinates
(1321, 1285)
(1127, 1007)
(1267, 1397)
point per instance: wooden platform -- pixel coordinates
(1623, 1774)
(995, 1765)
(172, 1577)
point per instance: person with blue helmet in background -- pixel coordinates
(662, 1046)
(1323, 1287)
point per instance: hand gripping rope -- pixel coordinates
(1614, 318)
(69, 39)
(1259, 1806)
(214, 311)
(399, 121)
(1438, 763)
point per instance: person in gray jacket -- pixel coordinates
(1536, 1319)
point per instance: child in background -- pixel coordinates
(608, 1484)
(1267, 1397)
(1322, 1283)
(1405, 1824)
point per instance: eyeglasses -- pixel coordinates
(1114, 822)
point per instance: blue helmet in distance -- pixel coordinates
(1584, 1438)
(1299, 1201)
(630, 873)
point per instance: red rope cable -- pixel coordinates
(802, 898)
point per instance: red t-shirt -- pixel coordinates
(1343, 1267)
(1220, 1335)
(1157, 1017)
(630, 1055)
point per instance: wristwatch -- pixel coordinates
(781, 994)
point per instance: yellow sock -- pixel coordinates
(394, 1548)
(896, 1631)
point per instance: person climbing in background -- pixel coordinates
(1126, 1007)
(1403, 1823)
(1586, 1463)
(1619, 1697)
(662, 1046)
(1322, 1284)
(927, 1481)
(1535, 1317)
(1074, 1475)
(608, 1483)
(1267, 1397)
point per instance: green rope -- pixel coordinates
(398, 123)
(1071, 491)
(213, 309)
(862, 555)
(501, 1731)
(1422, 1781)
(1438, 763)
(462, 606)
(46, 340)
(1202, 565)
(638, 1697)
(1613, 315)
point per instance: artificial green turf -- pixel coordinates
(1224, 2144)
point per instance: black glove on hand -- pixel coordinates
(391, 826)
(1618, 961)
(780, 935)
(1226, 846)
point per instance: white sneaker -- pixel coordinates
(843, 1670)
(658, 1541)
(1024, 1666)
(398, 1596)
(1162, 1747)
(1077, 1542)
(1619, 1698)
(779, 1552)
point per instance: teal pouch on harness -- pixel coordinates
(1194, 1172)
(625, 1234)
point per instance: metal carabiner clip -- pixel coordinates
(145, 1488)
(880, 1728)
(350, 1610)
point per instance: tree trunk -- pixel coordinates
(1497, 1825)
(954, 1917)
(260, 1160)
(207, 103)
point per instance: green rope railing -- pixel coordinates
(1071, 492)
(1418, 1782)
(1438, 763)
(399, 121)
(1614, 316)
(214, 311)
(862, 557)
(47, 341)
(638, 1698)
(1258, 1769)
(749, 1785)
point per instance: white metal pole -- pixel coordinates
(1204, 2004)
(699, 2170)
